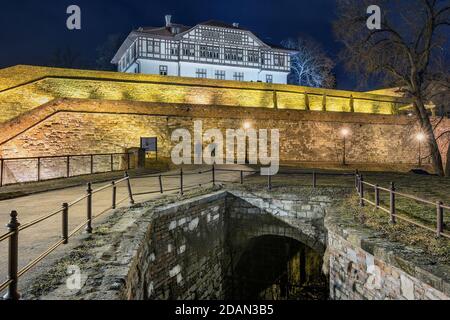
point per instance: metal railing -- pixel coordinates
(14, 228)
(35, 165)
(360, 186)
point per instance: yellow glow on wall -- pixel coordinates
(27, 87)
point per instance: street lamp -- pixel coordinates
(345, 132)
(420, 137)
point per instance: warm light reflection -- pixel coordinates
(345, 132)
(247, 125)
(420, 136)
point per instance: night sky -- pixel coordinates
(31, 31)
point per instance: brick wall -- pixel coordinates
(182, 255)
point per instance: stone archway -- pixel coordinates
(273, 267)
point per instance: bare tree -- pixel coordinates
(66, 58)
(106, 51)
(408, 51)
(311, 66)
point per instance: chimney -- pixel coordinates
(236, 24)
(168, 22)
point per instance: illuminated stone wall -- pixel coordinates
(23, 88)
(91, 126)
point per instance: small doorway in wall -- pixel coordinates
(150, 145)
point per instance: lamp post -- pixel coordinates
(420, 137)
(247, 125)
(345, 132)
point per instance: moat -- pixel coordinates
(278, 268)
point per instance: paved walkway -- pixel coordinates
(38, 238)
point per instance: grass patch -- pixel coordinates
(401, 232)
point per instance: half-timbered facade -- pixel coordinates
(212, 49)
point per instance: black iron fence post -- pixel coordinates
(377, 196)
(392, 203)
(38, 169)
(1, 173)
(130, 193)
(161, 190)
(68, 166)
(242, 177)
(88, 228)
(361, 190)
(181, 181)
(314, 175)
(114, 194)
(214, 175)
(13, 255)
(269, 182)
(65, 222)
(358, 184)
(439, 218)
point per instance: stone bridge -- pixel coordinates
(241, 244)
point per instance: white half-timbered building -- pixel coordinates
(211, 49)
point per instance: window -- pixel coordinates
(269, 78)
(210, 34)
(265, 59)
(163, 70)
(238, 76)
(220, 75)
(278, 60)
(253, 56)
(133, 51)
(153, 46)
(201, 73)
(234, 54)
(188, 49)
(233, 37)
(174, 49)
(211, 52)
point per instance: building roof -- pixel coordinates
(221, 24)
(168, 32)
(164, 31)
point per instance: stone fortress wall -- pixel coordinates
(23, 88)
(48, 111)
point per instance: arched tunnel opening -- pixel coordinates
(277, 268)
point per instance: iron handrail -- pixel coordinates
(405, 195)
(65, 156)
(66, 160)
(41, 257)
(15, 228)
(439, 226)
(6, 235)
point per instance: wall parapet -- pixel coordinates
(358, 256)
(23, 88)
